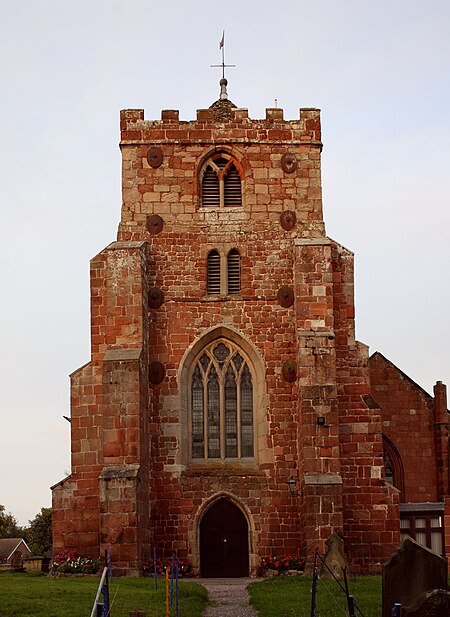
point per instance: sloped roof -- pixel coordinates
(9, 545)
(411, 381)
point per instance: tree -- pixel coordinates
(9, 527)
(39, 533)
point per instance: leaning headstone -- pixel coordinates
(411, 571)
(335, 561)
(434, 603)
(17, 562)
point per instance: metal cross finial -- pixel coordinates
(223, 65)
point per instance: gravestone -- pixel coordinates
(334, 559)
(409, 572)
(17, 562)
(434, 603)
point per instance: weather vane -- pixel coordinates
(223, 65)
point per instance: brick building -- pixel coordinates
(227, 410)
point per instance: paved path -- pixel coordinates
(230, 595)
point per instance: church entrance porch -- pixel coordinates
(224, 542)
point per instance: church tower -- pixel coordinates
(225, 412)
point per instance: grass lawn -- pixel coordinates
(37, 595)
(287, 596)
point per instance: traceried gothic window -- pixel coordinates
(221, 183)
(393, 466)
(221, 404)
(224, 273)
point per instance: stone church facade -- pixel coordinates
(227, 411)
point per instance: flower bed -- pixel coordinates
(184, 567)
(283, 563)
(69, 562)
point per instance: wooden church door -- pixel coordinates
(223, 542)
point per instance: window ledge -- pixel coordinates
(223, 469)
(220, 298)
(219, 208)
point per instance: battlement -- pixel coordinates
(239, 127)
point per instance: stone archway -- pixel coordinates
(224, 549)
(257, 368)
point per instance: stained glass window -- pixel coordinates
(197, 415)
(213, 407)
(231, 441)
(222, 404)
(246, 413)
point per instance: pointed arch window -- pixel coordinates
(222, 404)
(393, 466)
(221, 182)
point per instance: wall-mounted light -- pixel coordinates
(292, 483)
(321, 421)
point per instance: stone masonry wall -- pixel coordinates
(178, 267)
(370, 506)
(131, 470)
(407, 417)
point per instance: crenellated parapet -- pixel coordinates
(239, 128)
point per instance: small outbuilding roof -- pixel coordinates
(9, 545)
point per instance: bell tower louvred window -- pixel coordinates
(234, 272)
(224, 273)
(210, 188)
(221, 183)
(232, 188)
(213, 273)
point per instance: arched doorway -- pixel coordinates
(223, 541)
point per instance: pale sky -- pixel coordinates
(378, 69)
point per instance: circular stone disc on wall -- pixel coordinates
(289, 371)
(156, 372)
(155, 297)
(288, 219)
(154, 157)
(288, 162)
(155, 224)
(285, 296)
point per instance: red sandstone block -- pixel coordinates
(170, 115)
(177, 134)
(112, 449)
(204, 134)
(131, 115)
(131, 135)
(312, 125)
(279, 134)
